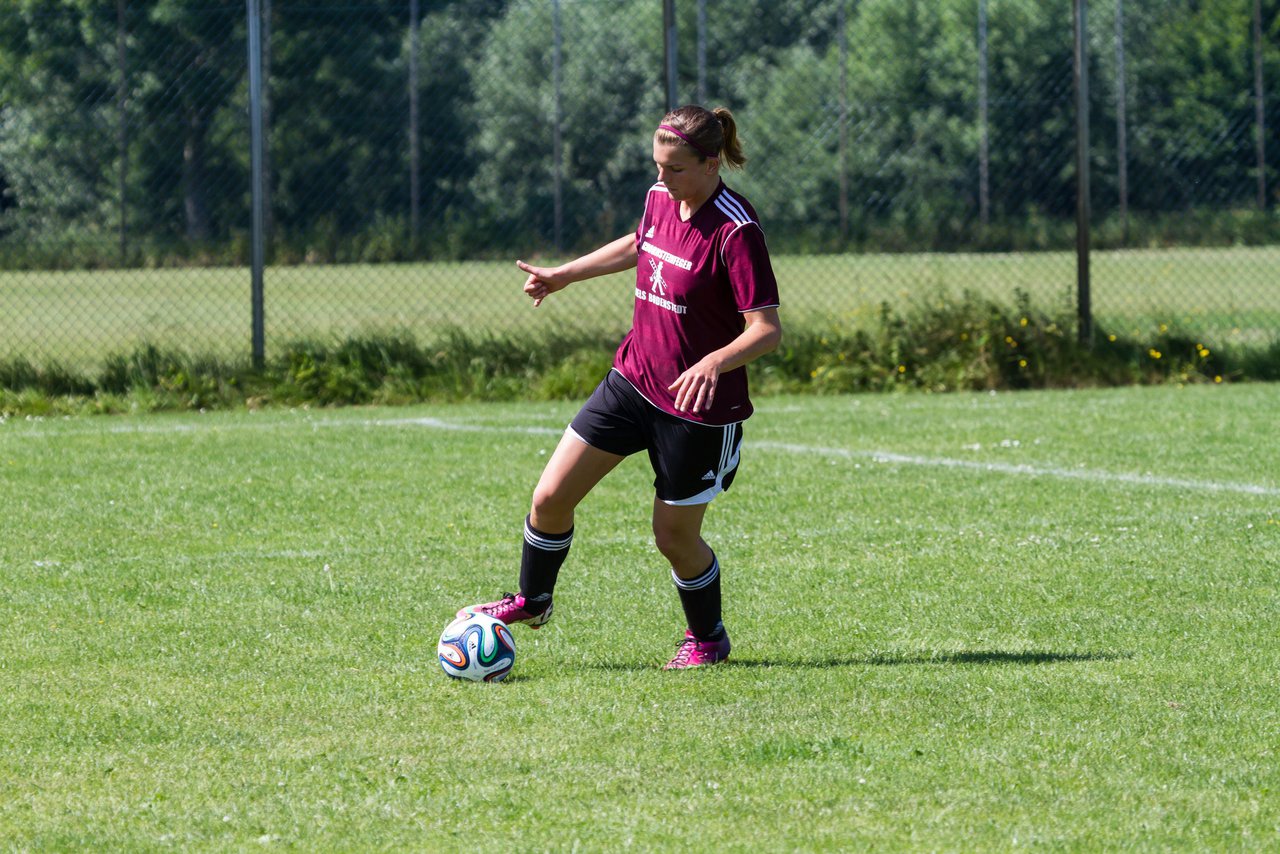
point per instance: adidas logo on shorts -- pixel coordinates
(710, 475)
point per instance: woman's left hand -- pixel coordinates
(696, 388)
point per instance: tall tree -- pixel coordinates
(608, 119)
(57, 100)
(196, 66)
(1194, 127)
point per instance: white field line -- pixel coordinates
(166, 429)
(1086, 474)
(875, 456)
(437, 424)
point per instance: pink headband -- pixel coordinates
(692, 144)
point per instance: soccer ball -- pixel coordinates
(477, 647)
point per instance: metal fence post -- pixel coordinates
(670, 51)
(984, 142)
(1259, 105)
(1122, 124)
(415, 146)
(122, 133)
(265, 76)
(1081, 73)
(702, 52)
(842, 28)
(557, 138)
(256, 145)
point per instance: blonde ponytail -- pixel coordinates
(731, 149)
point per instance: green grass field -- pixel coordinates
(963, 622)
(1226, 296)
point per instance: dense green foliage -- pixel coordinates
(135, 151)
(934, 345)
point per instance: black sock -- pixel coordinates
(700, 598)
(540, 563)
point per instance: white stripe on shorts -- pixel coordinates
(730, 453)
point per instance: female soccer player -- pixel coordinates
(706, 304)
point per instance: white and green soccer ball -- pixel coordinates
(477, 647)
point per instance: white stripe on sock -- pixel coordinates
(701, 581)
(547, 544)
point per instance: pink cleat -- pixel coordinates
(695, 653)
(510, 610)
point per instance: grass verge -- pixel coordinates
(962, 622)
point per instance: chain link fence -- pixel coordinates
(898, 149)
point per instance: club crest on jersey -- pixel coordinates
(656, 283)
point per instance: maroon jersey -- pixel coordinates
(694, 280)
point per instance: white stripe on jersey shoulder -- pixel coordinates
(658, 187)
(736, 229)
(732, 208)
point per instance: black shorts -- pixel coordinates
(692, 463)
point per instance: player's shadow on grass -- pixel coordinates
(973, 657)
(983, 657)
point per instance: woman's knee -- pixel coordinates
(552, 507)
(674, 541)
